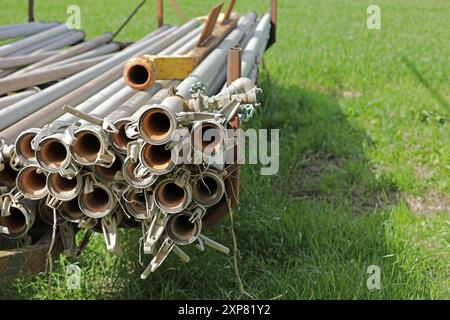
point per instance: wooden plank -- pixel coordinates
(210, 24)
(228, 11)
(26, 261)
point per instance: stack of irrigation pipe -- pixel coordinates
(123, 144)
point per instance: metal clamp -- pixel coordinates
(159, 258)
(154, 232)
(68, 239)
(109, 227)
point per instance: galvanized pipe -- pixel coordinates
(19, 110)
(97, 203)
(157, 125)
(76, 50)
(23, 60)
(183, 231)
(54, 109)
(9, 32)
(13, 98)
(172, 198)
(18, 222)
(11, 48)
(102, 50)
(34, 78)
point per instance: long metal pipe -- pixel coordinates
(23, 60)
(54, 109)
(65, 39)
(9, 32)
(34, 78)
(31, 40)
(153, 118)
(20, 110)
(76, 50)
(102, 50)
(9, 100)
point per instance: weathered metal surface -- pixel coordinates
(26, 261)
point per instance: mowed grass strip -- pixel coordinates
(364, 162)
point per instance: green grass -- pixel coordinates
(364, 137)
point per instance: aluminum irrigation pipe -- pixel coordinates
(102, 50)
(94, 101)
(24, 30)
(73, 51)
(9, 100)
(57, 42)
(20, 25)
(31, 40)
(62, 41)
(32, 104)
(45, 75)
(89, 135)
(253, 50)
(157, 124)
(54, 110)
(23, 60)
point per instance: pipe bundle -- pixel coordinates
(92, 153)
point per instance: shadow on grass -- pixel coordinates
(309, 232)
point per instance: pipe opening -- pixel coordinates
(53, 153)
(208, 138)
(33, 183)
(96, 201)
(156, 125)
(24, 146)
(171, 196)
(120, 139)
(61, 185)
(138, 74)
(46, 214)
(206, 189)
(87, 146)
(181, 229)
(8, 176)
(109, 173)
(71, 211)
(137, 205)
(157, 157)
(15, 222)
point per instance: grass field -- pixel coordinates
(364, 168)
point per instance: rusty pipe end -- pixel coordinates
(32, 182)
(98, 203)
(46, 214)
(208, 189)
(140, 72)
(158, 159)
(157, 125)
(119, 140)
(172, 198)
(137, 182)
(24, 148)
(209, 137)
(109, 174)
(181, 230)
(8, 176)
(18, 222)
(70, 211)
(63, 188)
(136, 205)
(53, 154)
(86, 147)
